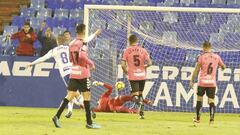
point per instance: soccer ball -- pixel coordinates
(119, 85)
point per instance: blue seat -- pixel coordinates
(60, 22)
(44, 13)
(76, 13)
(203, 3)
(72, 30)
(53, 4)
(203, 19)
(170, 17)
(186, 17)
(80, 4)
(36, 23)
(218, 19)
(8, 30)
(186, 2)
(18, 21)
(49, 22)
(37, 4)
(68, 4)
(225, 28)
(221, 2)
(37, 46)
(28, 12)
(61, 13)
(58, 31)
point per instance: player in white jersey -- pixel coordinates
(61, 57)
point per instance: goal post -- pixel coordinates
(173, 36)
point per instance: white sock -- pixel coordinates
(70, 106)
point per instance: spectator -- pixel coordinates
(47, 40)
(26, 38)
(67, 37)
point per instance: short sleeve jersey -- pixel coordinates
(209, 63)
(136, 56)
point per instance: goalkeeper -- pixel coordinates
(108, 104)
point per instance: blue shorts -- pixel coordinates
(66, 80)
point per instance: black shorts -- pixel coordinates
(82, 85)
(137, 85)
(209, 90)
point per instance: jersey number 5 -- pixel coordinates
(136, 60)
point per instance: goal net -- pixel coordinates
(173, 36)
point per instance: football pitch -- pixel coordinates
(37, 121)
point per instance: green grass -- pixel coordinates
(37, 121)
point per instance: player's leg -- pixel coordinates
(85, 89)
(77, 101)
(134, 91)
(70, 108)
(211, 97)
(71, 93)
(141, 88)
(200, 93)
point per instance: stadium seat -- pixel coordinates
(8, 30)
(170, 17)
(225, 28)
(53, 4)
(28, 12)
(140, 2)
(218, 19)
(37, 4)
(18, 21)
(203, 19)
(169, 3)
(186, 2)
(203, 3)
(68, 4)
(186, 17)
(36, 23)
(169, 37)
(113, 2)
(222, 2)
(61, 13)
(58, 31)
(72, 30)
(76, 13)
(216, 38)
(37, 46)
(44, 13)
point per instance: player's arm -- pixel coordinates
(148, 60)
(195, 74)
(91, 37)
(109, 90)
(124, 66)
(221, 64)
(107, 86)
(41, 59)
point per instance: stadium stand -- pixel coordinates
(65, 14)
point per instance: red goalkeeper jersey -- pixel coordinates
(105, 103)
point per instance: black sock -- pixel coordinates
(212, 110)
(88, 112)
(198, 108)
(141, 103)
(62, 107)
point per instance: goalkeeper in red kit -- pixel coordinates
(109, 104)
